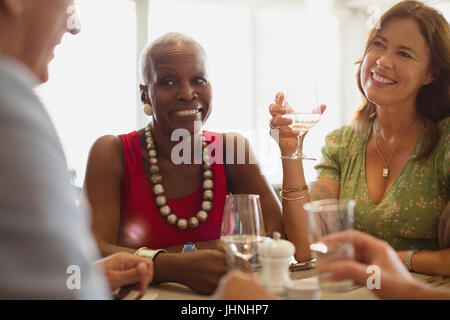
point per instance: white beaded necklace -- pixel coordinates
(158, 189)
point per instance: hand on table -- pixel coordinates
(202, 270)
(127, 272)
(236, 285)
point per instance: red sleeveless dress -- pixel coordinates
(141, 225)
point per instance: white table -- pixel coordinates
(174, 291)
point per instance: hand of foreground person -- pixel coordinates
(395, 280)
(127, 272)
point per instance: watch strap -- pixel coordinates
(149, 253)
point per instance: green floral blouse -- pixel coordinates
(408, 215)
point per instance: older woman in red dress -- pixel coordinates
(145, 199)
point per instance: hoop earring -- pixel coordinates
(148, 109)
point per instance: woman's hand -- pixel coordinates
(202, 270)
(286, 138)
(279, 130)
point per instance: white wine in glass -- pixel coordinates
(301, 121)
(302, 100)
(244, 246)
(242, 230)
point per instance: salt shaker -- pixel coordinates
(275, 256)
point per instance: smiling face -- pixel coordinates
(396, 64)
(179, 89)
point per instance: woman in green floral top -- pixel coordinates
(394, 158)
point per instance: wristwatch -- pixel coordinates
(149, 253)
(189, 247)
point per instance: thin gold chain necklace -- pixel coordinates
(385, 172)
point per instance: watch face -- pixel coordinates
(189, 247)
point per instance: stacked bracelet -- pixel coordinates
(284, 191)
(408, 259)
(306, 187)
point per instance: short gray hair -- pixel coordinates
(169, 39)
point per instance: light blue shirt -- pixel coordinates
(42, 230)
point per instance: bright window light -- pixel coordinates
(444, 8)
(92, 86)
(254, 48)
(225, 31)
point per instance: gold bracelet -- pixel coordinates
(306, 187)
(292, 199)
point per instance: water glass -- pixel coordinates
(326, 217)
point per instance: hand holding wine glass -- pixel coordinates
(292, 126)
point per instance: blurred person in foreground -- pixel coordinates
(394, 158)
(43, 233)
(396, 282)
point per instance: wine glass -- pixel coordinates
(305, 112)
(242, 230)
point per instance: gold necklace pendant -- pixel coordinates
(385, 172)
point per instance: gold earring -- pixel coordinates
(148, 109)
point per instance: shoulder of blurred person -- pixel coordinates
(44, 233)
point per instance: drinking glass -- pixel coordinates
(304, 110)
(326, 217)
(242, 230)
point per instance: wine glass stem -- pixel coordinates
(300, 142)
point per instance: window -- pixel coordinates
(92, 86)
(253, 48)
(444, 8)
